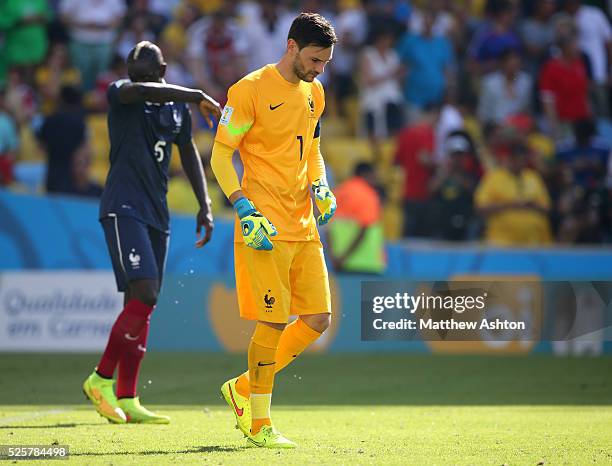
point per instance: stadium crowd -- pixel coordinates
(471, 118)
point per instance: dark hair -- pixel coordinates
(498, 7)
(363, 169)
(566, 38)
(145, 51)
(71, 95)
(584, 130)
(312, 29)
(507, 53)
(380, 32)
(517, 147)
(432, 107)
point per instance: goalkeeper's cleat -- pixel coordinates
(137, 414)
(325, 200)
(269, 437)
(100, 392)
(256, 229)
(240, 405)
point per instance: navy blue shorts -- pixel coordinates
(137, 251)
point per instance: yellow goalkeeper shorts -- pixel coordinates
(291, 279)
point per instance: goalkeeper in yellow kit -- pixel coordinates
(272, 117)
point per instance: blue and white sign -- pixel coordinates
(57, 311)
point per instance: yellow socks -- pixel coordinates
(262, 354)
(293, 341)
(260, 411)
(242, 384)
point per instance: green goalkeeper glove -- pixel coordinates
(256, 229)
(325, 200)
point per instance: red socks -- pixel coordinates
(129, 364)
(129, 331)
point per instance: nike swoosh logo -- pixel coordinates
(275, 106)
(142, 348)
(239, 411)
(265, 364)
(130, 337)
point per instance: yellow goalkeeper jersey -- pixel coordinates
(273, 124)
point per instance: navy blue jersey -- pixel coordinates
(141, 137)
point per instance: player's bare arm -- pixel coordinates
(147, 84)
(235, 196)
(133, 92)
(192, 165)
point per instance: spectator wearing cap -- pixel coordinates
(514, 202)
(505, 92)
(356, 236)
(452, 190)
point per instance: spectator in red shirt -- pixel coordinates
(415, 155)
(564, 87)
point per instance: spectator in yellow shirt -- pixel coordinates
(514, 202)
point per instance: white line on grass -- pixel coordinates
(32, 415)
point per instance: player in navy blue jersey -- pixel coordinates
(146, 117)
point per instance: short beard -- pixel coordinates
(299, 72)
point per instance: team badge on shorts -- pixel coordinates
(269, 300)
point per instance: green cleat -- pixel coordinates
(136, 414)
(240, 405)
(100, 392)
(269, 437)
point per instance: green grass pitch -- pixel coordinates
(340, 409)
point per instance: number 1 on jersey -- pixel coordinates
(301, 139)
(159, 150)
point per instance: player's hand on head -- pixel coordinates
(256, 229)
(325, 200)
(209, 108)
(204, 219)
